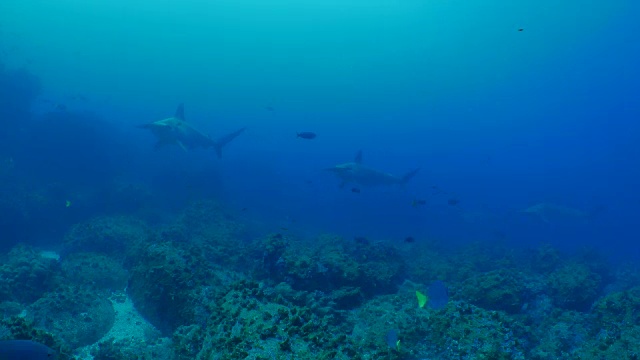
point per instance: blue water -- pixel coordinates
(497, 118)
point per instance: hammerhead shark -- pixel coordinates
(355, 172)
(547, 212)
(176, 131)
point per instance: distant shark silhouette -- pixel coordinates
(176, 131)
(549, 212)
(355, 172)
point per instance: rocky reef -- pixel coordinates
(202, 288)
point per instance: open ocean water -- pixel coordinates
(280, 179)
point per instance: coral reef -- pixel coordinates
(77, 315)
(165, 281)
(257, 322)
(574, 286)
(26, 275)
(114, 236)
(96, 271)
(19, 328)
(496, 290)
(347, 273)
(616, 329)
(211, 293)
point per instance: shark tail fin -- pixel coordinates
(180, 112)
(408, 176)
(218, 145)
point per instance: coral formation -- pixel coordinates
(77, 315)
(286, 296)
(574, 286)
(26, 275)
(496, 290)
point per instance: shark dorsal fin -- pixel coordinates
(180, 112)
(358, 159)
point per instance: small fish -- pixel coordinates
(307, 135)
(453, 202)
(355, 190)
(391, 338)
(409, 239)
(284, 228)
(269, 108)
(418, 202)
(68, 203)
(521, 29)
(438, 295)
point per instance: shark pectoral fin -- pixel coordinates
(182, 145)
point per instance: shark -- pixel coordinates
(546, 212)
(356, 172)
(176, 130)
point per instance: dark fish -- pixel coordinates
(418, 202)
(307, 135)
(25, 350)
(355, 190)
(409, 239)
(453, 202)
(438, 295)
(520, 29)
(269, 108)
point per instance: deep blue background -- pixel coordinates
(498, 118)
